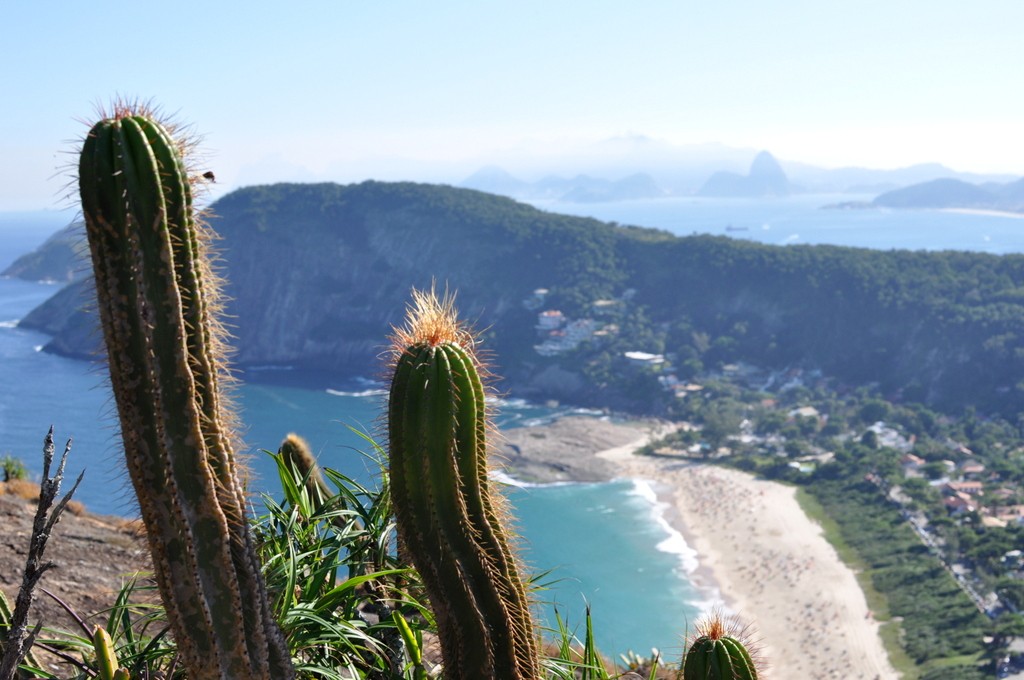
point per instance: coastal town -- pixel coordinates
(956, 483)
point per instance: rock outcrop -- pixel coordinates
(766, 178)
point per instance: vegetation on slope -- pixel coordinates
(318, 273)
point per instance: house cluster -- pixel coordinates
(559, 334)
(967, 487)
(680, 388)
(741, 373)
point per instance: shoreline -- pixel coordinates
(759, 556)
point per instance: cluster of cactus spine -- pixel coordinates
(720, 650)
(449, 521)
(157, 300)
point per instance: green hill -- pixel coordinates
(318, 273)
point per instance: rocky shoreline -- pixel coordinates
(564, 451)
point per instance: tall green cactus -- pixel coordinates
(157, 297)
(719, 651)
(449, 520)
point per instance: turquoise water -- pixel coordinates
(606, 543)
(601, 542)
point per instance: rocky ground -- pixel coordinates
(564, 450)
(93, 555)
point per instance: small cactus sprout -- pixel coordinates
(106, 658)
(295, 452)
(449, 521)
(158, 299)
(720, 650)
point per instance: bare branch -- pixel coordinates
(19, 638)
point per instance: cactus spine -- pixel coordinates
(449, 521)
(719, 651)
(157, 298)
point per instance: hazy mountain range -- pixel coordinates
(954, 193)
(635, 167)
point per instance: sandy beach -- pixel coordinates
(771, 564)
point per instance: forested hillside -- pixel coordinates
(317, 273)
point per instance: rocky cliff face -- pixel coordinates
(62, 258)
(317, 274)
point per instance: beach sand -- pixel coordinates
(772, 565)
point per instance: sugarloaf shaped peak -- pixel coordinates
(765, 178)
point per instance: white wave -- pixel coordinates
(13, 323)
(361, 393)
(502, 477)
(644, 489)
(674, 543)
(588, 412)
(37, 348)
(535, 422)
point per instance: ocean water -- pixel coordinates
(601, 544)
(606, 545)
(798, 220)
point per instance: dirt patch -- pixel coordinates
(94, 555)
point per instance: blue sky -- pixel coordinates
(348, 90)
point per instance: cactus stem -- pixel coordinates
(449, 519)
(157, 296)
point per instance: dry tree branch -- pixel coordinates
(19, 638)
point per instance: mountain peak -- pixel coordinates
(766, 178)
(765, 165)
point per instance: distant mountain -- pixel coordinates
(578, 189)
(62, 258)
(955, 193)
(495, 180)
(1012, 195)
(765, 178)
(872, 181)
